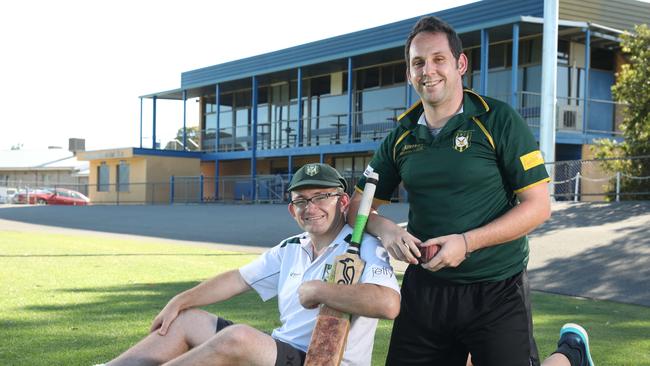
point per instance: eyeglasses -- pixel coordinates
(317, 200)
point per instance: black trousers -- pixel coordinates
(441, 322)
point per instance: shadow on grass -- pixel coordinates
(618, 333)
(116, 317)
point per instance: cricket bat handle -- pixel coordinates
(364, 209)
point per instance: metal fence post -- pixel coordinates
(577, 188)
(171, 190)
(201, 188)
(618, 186)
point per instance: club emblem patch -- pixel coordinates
(312, 170)
(462, 140)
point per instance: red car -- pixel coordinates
(58, 196)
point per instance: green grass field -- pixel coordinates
(80, 300)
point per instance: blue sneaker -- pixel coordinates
(576, 338)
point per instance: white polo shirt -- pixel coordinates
(283, 268)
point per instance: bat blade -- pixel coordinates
(330, 334)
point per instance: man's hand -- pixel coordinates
(165, 318)
(309, 293)
(400, 244)
(452, 252)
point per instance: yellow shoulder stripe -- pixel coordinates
(485, 131)
(409, 110)
(485, 105)
(531, 160)
(402, 137)
(545, 180)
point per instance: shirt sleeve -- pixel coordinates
(263, 273)
(384, 165)
(518, 153)
(378, 270)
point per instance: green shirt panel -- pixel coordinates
(454, 188)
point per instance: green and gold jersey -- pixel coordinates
(464, 178)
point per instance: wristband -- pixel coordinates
(467, 252)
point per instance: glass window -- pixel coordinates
(103, 177)
(603, 59)
(400, 72)
(320, 85)
(530, 51)
(563, 47)
(123, 170)
(368, 78)
(211, 122)
(497, 56)
(242, 132)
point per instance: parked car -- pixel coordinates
(57, 196)
(7, 194)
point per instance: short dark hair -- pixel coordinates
(433, 24)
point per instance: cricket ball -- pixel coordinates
(428, 252)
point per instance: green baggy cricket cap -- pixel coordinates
(317, 175)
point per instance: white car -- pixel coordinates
(7, 194)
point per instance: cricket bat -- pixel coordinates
(330, 334)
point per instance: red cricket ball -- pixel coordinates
(428, 252)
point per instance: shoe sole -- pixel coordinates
(580, 331)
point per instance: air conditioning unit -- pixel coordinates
(569, 117)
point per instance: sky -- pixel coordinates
(77, 68)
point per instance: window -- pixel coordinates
(123, 176)
(103, 177)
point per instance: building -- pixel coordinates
(334, 100)
(53, 167)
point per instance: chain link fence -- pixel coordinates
(587, 180)
(576, 180)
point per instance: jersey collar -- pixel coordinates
(473, 105)
(305, 240)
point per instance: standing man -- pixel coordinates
(476, 186)
(294, 271)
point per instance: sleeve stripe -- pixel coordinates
(263, 278)
(487, 134)
(545, 180)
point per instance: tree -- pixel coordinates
(193, 135)
(632, 88)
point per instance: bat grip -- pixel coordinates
(364, 208)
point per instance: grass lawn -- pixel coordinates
(75, 300)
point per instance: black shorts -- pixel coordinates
(441, 322)
(288, 355)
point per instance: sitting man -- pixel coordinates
(295, 271)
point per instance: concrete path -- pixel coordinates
(594, 250)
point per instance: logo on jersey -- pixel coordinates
(311, 170)
(410, 148)
(462, 140)
(328, 275)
